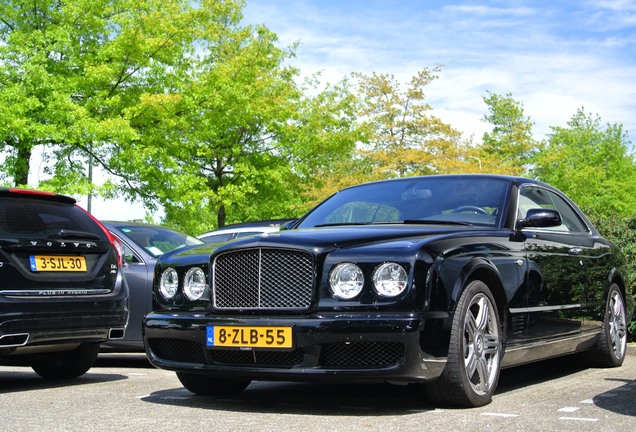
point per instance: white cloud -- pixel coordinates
(552, 57)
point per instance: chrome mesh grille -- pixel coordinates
(266, 279)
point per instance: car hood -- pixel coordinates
(320, 240)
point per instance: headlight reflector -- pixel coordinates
(194, 283)
(390, 279)
(346, 281)
(168, 283)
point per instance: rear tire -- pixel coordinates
(474, 354)
(66, 364)
(612, 343)
(210, 386)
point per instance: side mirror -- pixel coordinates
(540, 218)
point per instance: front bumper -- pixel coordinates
(334, 346)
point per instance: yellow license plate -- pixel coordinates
(249, 337)
(47, 263)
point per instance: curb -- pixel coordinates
(631, 349)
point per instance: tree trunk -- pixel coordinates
(21, 170)
(220, 216)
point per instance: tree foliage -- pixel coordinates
(70, 70)
(510, 140)
(238, 137)
(592, 163)
(399, 136)
(186, 108)
(403, 137)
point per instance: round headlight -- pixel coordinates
(194, 283)
(346, 281)
(389, 279)
(168, 283)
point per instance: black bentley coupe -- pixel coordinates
(435, 281)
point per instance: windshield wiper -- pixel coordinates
(73, 234)
(341, 224)
(434, 222)
(404, 222)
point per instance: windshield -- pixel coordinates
(471, 200)
(157, 240)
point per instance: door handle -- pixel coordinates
(575, 251)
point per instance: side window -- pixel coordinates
(129, 255)
(570, 218)
(532, 197)
(536, 197)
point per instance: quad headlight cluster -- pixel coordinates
(347, 280)
(194, 284)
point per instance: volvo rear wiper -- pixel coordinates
(73, 234)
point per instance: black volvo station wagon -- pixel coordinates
(62, 290)
(436, 281)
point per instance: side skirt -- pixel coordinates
(527, 353)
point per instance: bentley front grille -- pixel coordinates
(263, 279)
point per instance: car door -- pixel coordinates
(137, 273)
(562, 276)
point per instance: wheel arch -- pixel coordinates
(483, 270)
(616, 277)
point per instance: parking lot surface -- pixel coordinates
(125, 393)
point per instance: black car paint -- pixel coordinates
(49, 312)
(530, 271)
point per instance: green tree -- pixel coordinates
(236, 139)
(402, 136)
(592, 163)
(181, 104)
(70, 70)
(510, 140)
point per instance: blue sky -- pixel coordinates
(553, 56)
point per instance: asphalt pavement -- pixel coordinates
(123, 392)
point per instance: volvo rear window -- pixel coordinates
(23, 218)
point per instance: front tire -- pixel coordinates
(474, 355)
(210, 386)
(66, 364)
(612, 343)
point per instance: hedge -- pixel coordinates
(621, 230)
